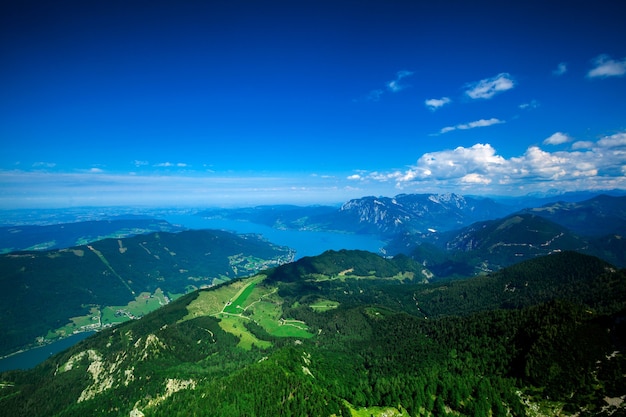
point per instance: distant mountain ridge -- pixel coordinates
(486, 234)
(419, 213)
(64, 235)
(424, 214)
(598, 216)
(493, 244)
(385, 216)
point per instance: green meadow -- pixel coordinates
(99, 317)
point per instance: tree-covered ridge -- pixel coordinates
(352, 263)
(599, 216)
(42, 291)
(546, 333)
(491, 245)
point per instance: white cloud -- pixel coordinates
(44, 165)
(605, 67)
(474, 178)
(479, 169)
(489, 87)
(139, 163)
(557, 138)
(394, 86)
(582, 144)
(533, 104)
(560, 69)
(613, 141)
(435, 103)
(170, 164)
(599, 165)
(472, 125)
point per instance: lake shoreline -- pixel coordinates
(28, 358)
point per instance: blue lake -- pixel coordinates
(306, 243)
(31, 358)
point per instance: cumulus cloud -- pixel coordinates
(599, 165)
(489, 87)
(560, 69)
(472, 125)
(617, 140)
(582, 144)
(435, 103)
(605, 66)
(557, 138)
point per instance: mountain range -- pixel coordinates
(493, 244)
(424, 214)
(477, 308)
(107, 281)
(351, 333)
(385, 216)
(461, 235)
(598, 216)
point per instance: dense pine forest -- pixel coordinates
(543, 337)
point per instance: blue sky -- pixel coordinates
(237, 103)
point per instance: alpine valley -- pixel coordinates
(475, 308)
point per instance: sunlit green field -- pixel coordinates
(248, 301)
(378, 412)
(98, 317)
(322, 305)
(235, 326)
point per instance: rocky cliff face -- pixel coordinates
(421, 213)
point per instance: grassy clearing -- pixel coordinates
(237, 305)
(324, 305)
(377, 411)
(243, 301)
(90, 321)
(143, 304)
(268, 315)
(235, 326)
(211, 303)
(97, 318)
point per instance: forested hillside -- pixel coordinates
(491, 245)
(48, 294)
(323, 336)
